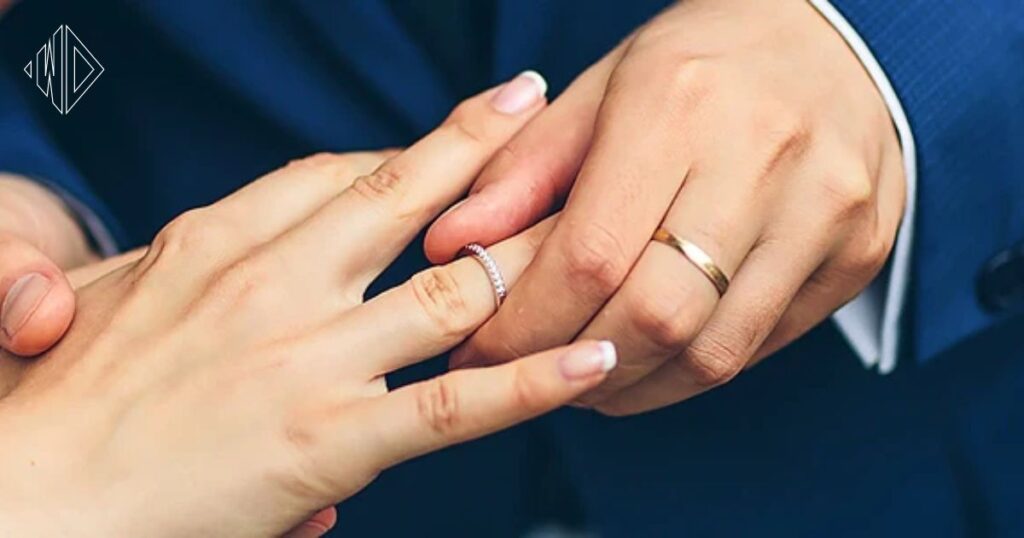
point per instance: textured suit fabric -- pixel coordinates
(959, 69)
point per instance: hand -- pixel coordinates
(38, 241)
(236, 374)
(747, 128)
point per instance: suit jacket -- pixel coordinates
(198, 98)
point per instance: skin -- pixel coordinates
(238, 352)
(748, 128)
(38, 235)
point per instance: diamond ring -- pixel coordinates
(491, 268)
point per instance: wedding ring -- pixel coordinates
(697, 257)
(491, 268)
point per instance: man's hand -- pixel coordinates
(39, 240)
(747, 128)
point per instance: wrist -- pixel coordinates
(34, 214)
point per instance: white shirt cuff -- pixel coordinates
(871, 322)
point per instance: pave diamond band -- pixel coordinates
(491, 268)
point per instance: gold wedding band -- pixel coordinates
(697, 257)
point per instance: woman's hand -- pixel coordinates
(231, 382)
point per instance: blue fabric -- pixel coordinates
(958, 68)
(200, 97)
(810, 444)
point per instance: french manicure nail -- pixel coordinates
(520, 93)
(23, 298)
(589, 360)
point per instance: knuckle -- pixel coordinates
(871, 255)
(713, 359)
(690, 81)
(461, 113)
(680, 82)
(849, 194)
(438, 293)
(194, 232)
(468, 122)
(437, 405)
(596, 262)
(687, 73)
(470, 132)
(662, 318)
(384, 183)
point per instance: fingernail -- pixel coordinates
(22, 301)
(589, 360)
(520, 93)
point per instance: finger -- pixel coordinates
(667, 299)
(217, 236)
(630, 176)
(303, 185)
(722, 347)
(846, 275)
(820, 296)
(285, 197)
(374, 219)
(803, 235)
(431, 312)
(36, 301)
(527, 178)
(316, 526)
(467, 404)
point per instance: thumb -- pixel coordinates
(533, 172)
(36, 301)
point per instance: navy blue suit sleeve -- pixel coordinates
(26, 150)
(958, 68)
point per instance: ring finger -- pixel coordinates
(431, 312)
(373, 220)
(667, 298)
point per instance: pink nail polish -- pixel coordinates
(520, 93)
(588, 360)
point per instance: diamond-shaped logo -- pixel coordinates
(64, 69)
